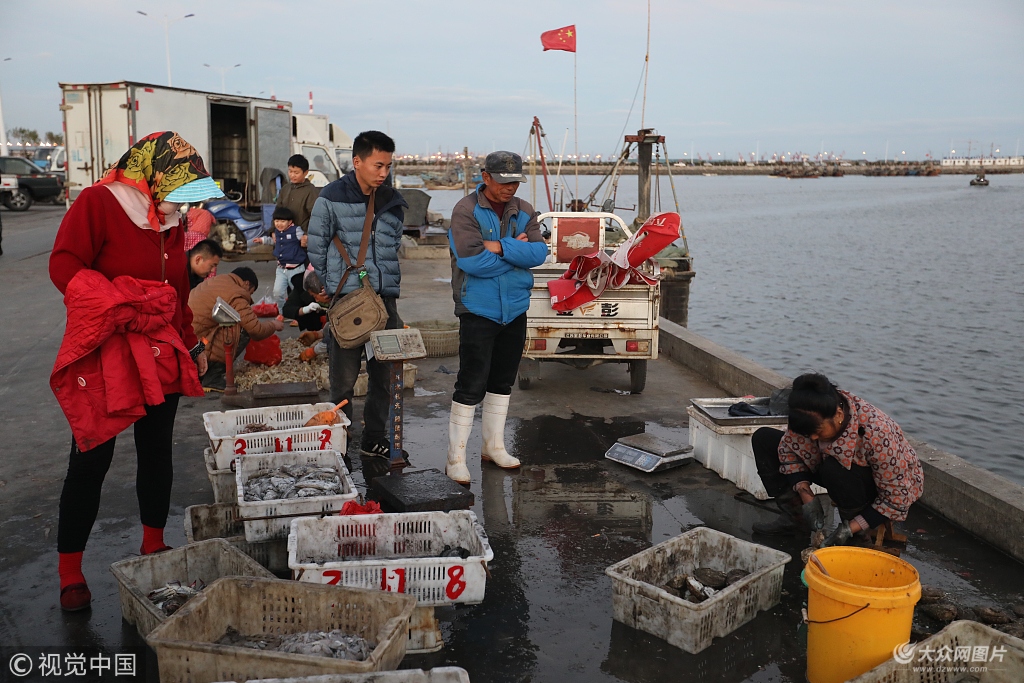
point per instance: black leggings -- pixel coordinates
(852, 489)
(80, 499)
(489, 355)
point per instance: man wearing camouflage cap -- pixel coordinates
(495, 240)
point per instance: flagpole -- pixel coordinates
(575, 125)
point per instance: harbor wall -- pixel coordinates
(978, 501)
(407, 169)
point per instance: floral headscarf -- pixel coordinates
(157, 165)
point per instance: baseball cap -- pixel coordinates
(505, 167)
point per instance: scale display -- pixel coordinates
(644, 461)
(397, 345)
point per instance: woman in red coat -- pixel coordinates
(129, 351)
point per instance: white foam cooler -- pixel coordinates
(726, 450)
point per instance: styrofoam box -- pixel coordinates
(439, 674)
(222, 481)
(639, 601)
(917, 667)
(187, 651)
(269, 519)
(394, 552)
(726, 450)
(207, 561)
(221, 520)
(288, 434)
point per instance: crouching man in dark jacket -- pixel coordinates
(495, 239)
(340, 210)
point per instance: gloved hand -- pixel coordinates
(312, 308)
(309, 337)
(813, 513)
(307, 355)
(841, 536)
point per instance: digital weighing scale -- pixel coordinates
(649, 453)
(393, 348)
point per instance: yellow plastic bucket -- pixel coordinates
(857, 614)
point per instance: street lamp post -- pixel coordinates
(167, 36)
(223, 70)
(3, 126)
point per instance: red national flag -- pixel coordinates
(560, 39)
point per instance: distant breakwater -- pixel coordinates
(893, 170)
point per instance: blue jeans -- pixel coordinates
(282, 279)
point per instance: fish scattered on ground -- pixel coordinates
(991, 615)
(336, 644)
(294, 481)
(169, 597)
(930, 594)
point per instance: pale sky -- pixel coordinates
(729, 76)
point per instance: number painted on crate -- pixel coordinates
(325, 440)
(456, 584)
(334, 577)
(287, 445)
(239, 446)
(392, 580)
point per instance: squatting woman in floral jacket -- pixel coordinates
(844, 444)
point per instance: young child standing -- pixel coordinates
(290, 250)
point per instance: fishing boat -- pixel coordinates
(980, 180)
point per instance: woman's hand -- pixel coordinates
(202, 364)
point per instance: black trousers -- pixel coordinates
(344, 370)
(80, 499)
(489, 355)
(851, 490)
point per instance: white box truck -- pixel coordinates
(327, 148)
(244, 141)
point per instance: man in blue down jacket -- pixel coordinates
(340, 210)
(495, 239)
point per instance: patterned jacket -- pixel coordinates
(871, 439)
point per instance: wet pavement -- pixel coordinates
(554, 527)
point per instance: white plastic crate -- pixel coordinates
(187, 651)
(638, 600)
(207, 561)
(918, 665)
(222, 481)
(394, 552)
(439, 674)
(269, 519)
(221, 520)
(288, 433)
(726, 450)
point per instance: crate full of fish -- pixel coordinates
(221, 520)
(274, 429)
(273, 488)
(695, 587)
(440, 558)
(153, 587)
(240, 629)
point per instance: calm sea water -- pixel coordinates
(907, 291)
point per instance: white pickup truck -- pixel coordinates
(620, 326)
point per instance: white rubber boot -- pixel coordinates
(460, 426)
(493, 412)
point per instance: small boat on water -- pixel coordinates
(980, 180)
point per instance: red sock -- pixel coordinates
(152, 539)
(69, 567)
